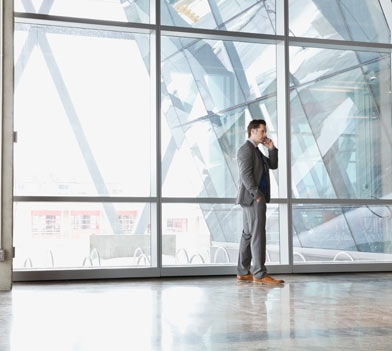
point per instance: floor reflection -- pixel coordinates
(342, 311)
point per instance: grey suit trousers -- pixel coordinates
(253, 240)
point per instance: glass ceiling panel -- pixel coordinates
(339, 20)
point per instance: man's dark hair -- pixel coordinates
(254, 125)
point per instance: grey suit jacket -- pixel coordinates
(250, 169)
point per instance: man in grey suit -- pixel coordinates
(253, 196)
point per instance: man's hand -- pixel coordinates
(268, 143)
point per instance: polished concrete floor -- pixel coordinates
(310, 312)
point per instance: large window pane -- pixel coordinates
(210, 92)
(81, 235)
(251, 16)
(342, 233)
(82, 112)
(350, 20)
(341, 123)
(210, 233)
(124, 11)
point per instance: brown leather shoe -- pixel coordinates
(245, 277)
(268, 280)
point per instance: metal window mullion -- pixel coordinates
(339, 44)
(283, 112)
(347, 202)
(82, 23)
(288, 135)
(156, 240)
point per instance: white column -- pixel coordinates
(6, 141)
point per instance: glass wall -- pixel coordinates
(211, 89)
(83, 119)
(84, 124)
(209, 233)
(342, 233)
(341, 103)
(75, 235)
(129, 116)
(348, 20)
(341, 123)
(251, 16)
(123, 11)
